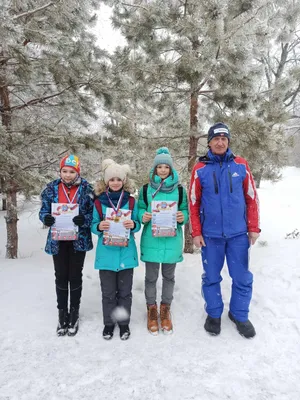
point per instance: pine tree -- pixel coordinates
(50, 75)
(259, 133)
(193, 56)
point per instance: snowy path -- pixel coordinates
(35, 364)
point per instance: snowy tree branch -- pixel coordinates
(163, 137)
(3, 60)
(27, 13)
(42, 99)
(246, 22)
(134, 5)
(292, 96)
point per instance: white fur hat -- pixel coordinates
(113, 170)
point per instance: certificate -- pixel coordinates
(64, 227)
(164, 218)
(117, 234)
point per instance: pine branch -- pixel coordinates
(267, 69)
(44, 165)
(163, 137)
(292, 96)
(200, 136)
(134, 5)
(282, 62)
(246, 22)
(42, 99)
(3, 60)
(185, 8)
(27, 13)
(294, 44)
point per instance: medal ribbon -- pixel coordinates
(116, 209)
(69, 200)
(158, 189)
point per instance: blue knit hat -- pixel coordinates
(218, 129)
(163, 156)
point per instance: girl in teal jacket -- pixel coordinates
(115, 261)
(167, 251)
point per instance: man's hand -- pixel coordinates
(253, 236)
(147, 217)
(199, 241)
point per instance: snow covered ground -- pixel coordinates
(35, 364)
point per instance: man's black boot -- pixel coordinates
(213, 325)
(245, 329)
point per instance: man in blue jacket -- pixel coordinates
(224, 217)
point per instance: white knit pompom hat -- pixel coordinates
(113, 170)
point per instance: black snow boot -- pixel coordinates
(245, 329)
(213, 325)
(124, 332)
(73, 322)
(108, 332)
(63, 321)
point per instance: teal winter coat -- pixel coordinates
(115, 258)
(162, 249)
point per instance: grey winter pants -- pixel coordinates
(116, 290)
(168, 282)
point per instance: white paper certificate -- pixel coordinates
(164, 218)
(117, 235)
(64, 228)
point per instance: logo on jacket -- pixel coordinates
(235, 174)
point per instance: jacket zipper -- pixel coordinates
(230, 180)
(215, 183)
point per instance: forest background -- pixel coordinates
(179, 66)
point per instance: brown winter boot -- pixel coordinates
(165, 318)
(152, 323)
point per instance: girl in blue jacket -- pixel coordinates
(68, 255)
(115, 261)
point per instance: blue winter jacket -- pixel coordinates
(223, 198)
(115, 258)
(84, 199)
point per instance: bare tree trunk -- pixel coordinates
(11, 219)
(257, 177)
(4, 202)
(4, 207)
(10, 187)
(194, 138)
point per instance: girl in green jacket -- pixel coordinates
(115, 257)
(155, 250)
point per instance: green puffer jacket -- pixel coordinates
(162, 249)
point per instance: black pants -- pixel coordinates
(68, 265)
(116, 290)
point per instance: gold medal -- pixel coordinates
(116, 219)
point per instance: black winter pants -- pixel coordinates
(68, 265)
(116, 290)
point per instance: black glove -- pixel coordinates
(49, 220)
(79, 220)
